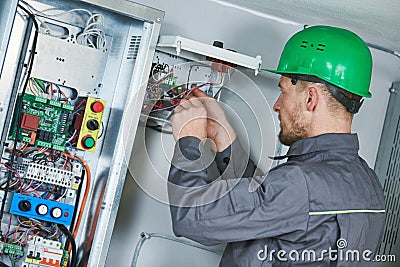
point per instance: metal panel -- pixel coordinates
(181, 43)
(387, 168)
(7, 15)
(69, 64)
(123, 147)
(130, 8)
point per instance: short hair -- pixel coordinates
(334, 106)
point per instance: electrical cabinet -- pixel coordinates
(72, 89)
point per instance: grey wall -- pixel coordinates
(250, 34)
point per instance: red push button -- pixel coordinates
(97, 107)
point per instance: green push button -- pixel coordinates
(88, 142)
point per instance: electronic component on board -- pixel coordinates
(43, 122)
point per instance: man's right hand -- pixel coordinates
(219, 130)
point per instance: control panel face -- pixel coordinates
(91, 124)
(41, 209)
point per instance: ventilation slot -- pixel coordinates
(321, 47)
(133, 48)
(304, 44)
(388, 169)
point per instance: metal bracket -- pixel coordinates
(184, 44)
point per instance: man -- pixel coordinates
(324, 206)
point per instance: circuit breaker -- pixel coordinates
(73, 70)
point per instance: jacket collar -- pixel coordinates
(324, 142)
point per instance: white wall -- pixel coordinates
(250, 34)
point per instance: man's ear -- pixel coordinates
(312, 98)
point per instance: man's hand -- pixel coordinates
(190, 119)
(219, 130)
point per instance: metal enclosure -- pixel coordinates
(119, 78)
(7, 14)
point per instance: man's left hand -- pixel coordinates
(190, 119)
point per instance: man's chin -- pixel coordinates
(286, 139)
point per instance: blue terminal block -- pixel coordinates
(41, 209)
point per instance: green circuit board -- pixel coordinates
(43, 122)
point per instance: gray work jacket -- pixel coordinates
(324, 199)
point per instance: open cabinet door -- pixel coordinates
(7, 15)
(69, 115)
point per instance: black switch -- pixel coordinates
(24, 205)
(92, 125)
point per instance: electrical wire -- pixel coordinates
(186, 95)
(93, 228)
(145, 236)
(28, 74)
(86, 194)
(93, 33)
(392, 52)
(71, 239)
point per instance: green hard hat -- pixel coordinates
(335, 55)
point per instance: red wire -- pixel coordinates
(15, 173)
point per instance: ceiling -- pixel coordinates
(376, 21)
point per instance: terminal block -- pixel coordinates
(50, 175)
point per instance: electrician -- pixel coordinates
(312, 210)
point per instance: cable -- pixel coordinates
(102, 131)
(84, 259)
(92, 35)
(392, 52)
(85, 195)
(186, 95)
(144, 236)
(20, 100)
(71, 239)
(93, 228)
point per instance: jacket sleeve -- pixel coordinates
(225, 210)
(234, 161)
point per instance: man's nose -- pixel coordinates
(277, 107)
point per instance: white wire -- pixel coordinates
(72, 137)
(44, 12)
(63, 195)
(93, 34)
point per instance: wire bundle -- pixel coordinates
(93, 34)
